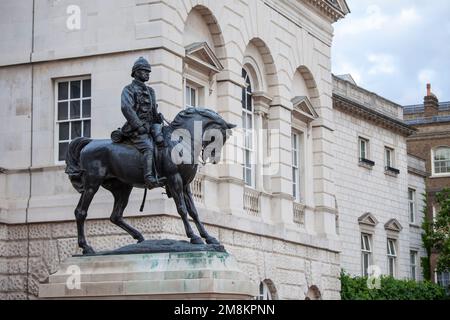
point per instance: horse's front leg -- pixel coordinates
(81, 214)
(175, 184)
(194, 215)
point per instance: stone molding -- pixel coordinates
(357, 110)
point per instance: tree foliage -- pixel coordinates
(390, 289)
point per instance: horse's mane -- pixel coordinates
(191, 112)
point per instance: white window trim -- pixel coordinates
(433, 174)
(265, 294)
(414, 202)
(195, 89)
(253, 142)
(366, 251)
(56, 122)
(367, 151)
(416, 255)
(392, 256)
(299, 149)
(392, 158)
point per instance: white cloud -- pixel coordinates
(346, 67)
(381, 64)
(426, 76)
(375, 19)
(409, 16)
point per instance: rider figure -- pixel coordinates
(144, 123)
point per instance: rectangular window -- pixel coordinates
(441, 161)
(443, 279)
(366, 254)
(363, 149)
(413, 264)
(191, 96)
(412, 205)
(389, 157)
(248, 125)
(391, 256)
(296, 166)
(73, 112)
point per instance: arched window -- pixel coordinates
(247, 125)
(267, 291)
(441, 160)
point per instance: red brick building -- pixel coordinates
(431, 142)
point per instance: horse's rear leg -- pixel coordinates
(194, 215)
(81, 214)
(121, 193)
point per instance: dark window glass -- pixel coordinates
(75, 89)
(63, 146)
(75, 109)
(64, 131)
(76, 130)
(87, 129)
(63, 112)
(86, 88)
(249, 102)
(87, 108)
(63, 90)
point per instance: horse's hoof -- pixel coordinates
(212, 240)
(197, 240)
(88, 250)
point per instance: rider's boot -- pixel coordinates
(149, 176)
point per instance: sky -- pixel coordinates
(394, 48)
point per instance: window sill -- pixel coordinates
(439, 176)
(365, 163)
(414, 225)
(391, 172)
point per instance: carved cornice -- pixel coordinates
(357, 110)
(335, 9)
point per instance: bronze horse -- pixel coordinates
(118, 168)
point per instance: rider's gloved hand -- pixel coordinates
(142, 130)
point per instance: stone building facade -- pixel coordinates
(431, 142)
(378, 185)
(62, 67)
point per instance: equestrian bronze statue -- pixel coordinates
(146, 154)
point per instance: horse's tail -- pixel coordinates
(73, 168)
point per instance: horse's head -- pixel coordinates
(215, 130)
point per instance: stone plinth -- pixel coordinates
(176, 275)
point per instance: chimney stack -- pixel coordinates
(431, 103)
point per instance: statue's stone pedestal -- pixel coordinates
(176, 275)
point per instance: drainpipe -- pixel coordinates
(31, 156)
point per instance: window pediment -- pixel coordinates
(393, 225)
(303, 109)
(368, 219)
(203, 57)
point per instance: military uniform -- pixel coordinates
(138, 104)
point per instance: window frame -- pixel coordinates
(391, 158)
(433, 162)
(189, 86)
(412, 202)
(249, 138)
(297, 170)
(367, 149)
(392, 257)
(366, 251)
(413, 254)
(264, 292)
(56, 138)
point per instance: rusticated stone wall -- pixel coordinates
(292, 268)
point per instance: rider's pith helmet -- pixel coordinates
(141, 64)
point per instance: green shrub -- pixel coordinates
(390, 289)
